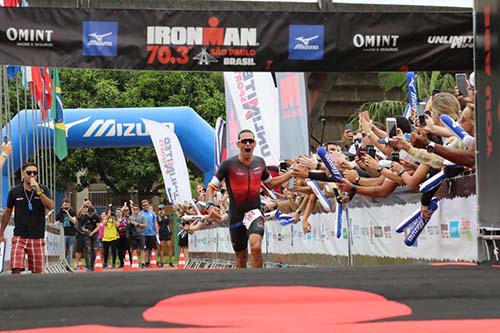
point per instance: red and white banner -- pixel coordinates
(252, 103)
(294, 137)
(172, 161)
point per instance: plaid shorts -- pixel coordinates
(33, 247)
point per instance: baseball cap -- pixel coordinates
(161, 206)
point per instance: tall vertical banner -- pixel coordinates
(172, 161)
(294, 137)
(252, 103)
(487, 110)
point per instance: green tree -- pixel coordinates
(128, 169)
(426, 84)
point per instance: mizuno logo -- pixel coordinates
(99, 37)
(306, 41)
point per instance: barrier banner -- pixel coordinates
(451, 234)
(294, 137)
(187, 40)
(487, 111)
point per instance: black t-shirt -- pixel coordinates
(28, 223)
(89, 222)
(69, 227)
(164, 224)
(243, 184)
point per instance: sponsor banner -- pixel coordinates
(172, 162)
(488, 111)
(451, 234)
(253, 105)
(234, 40)
(294, 137)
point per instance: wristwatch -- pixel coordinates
(430, 147)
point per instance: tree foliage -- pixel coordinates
(123, 170)
(426, 84)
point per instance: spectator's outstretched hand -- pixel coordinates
(214, 214)
(396, 168)
(7, 147)
(300, 171)
(419, 139)
(306, 226)
(351, 175)
(345, 185)
(306, 161)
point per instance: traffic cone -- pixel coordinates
(153, 263)
(126, 264)
(135, 262)
(182, 262)
(98, 263)
(79, 265)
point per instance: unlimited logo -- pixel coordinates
(455, 42)
(306, 42)
(100, 39)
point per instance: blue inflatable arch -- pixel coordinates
(117, 128)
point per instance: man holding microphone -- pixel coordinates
(29, 199)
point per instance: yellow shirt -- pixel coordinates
(110, 231)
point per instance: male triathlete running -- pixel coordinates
(243, 175)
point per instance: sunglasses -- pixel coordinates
(31, 173)
(245, 141)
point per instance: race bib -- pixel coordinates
(251, 216)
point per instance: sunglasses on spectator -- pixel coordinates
(245, 141)
(31, 173)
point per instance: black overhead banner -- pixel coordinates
(488, 111)
(235, 41)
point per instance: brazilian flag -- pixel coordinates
(56, 112)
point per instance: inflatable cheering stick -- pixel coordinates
(319, 194)
(412, 92)
(407, 221)
(432, 182)
(420, 224)
(457, 130)
(284, 219)
(330, 165)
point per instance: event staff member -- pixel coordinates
(243, 175)
(30, 199)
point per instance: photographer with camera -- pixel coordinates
(110, 237)
(89, 227)
(67, 217)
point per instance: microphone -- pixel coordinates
(33, 188)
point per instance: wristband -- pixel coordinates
(39, 192)
(4, 155)
(400, 173)
(369, 134)
(210, 204)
